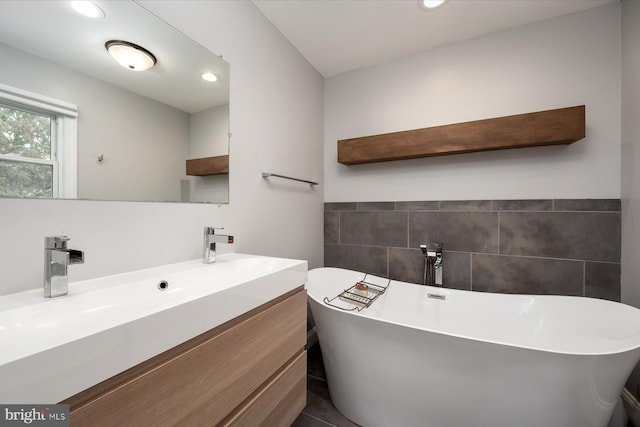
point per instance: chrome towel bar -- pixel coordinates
(268, 174)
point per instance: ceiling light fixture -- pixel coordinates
(88, 8)
(210, 77)
(429, 4)
(130, 56)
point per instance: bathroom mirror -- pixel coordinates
(135, 130)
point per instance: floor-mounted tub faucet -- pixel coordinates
(210, 240)
(432, 264)
(57, 257)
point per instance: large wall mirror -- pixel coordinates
(74, 123)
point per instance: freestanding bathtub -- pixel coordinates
(473, 359)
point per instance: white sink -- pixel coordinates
(55, 348)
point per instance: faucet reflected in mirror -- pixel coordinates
(209, 243)
(432, 264)
(57, 257)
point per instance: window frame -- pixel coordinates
(64, 157)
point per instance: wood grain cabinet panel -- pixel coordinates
(278, 402)
(207, 381)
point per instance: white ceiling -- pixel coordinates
(336, 36)
(54, 31)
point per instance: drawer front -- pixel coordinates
(278, 402)
(203, 384)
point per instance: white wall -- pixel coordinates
(630, 152)
(144, 142)
(560, 62)
(209, 132)
(630, 280)
(276, 120)
(209, 136)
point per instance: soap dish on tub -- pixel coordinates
(360, 296)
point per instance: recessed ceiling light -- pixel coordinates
(130, 56)
(210, 77)
(88, 8)
(429, 4)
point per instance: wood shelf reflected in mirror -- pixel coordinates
(205, 166)
(551, 127)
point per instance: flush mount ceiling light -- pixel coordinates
(210, 77)
(429, 4)
(130, 55)
(88, 8)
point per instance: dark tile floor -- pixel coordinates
(319, 411)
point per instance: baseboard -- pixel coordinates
(631, 406)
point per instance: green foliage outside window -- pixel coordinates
(19, 179)
(28, 135)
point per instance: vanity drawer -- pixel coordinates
(276, 403)
(201, 382)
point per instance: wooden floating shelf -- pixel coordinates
(561, 126)
(205, 166)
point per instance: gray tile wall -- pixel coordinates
(560, 247)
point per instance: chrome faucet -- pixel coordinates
(209, 244)
(432, 264)
(57, 257)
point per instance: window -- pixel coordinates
(27, 153)
(37, 145)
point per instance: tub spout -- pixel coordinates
(432, 264)
(437, 265)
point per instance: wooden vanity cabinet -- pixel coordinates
(250, 371)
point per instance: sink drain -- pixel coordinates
(163, 285)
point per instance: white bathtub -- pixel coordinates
(474, 359)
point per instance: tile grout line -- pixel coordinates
(536, 257)
(471, 271)
(317, 378)
(584, 278)
(408, 234)
(339, 216)
(387, 254)
(555, 258)
(317, 419)
(499, 232)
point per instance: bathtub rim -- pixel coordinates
(364, 314)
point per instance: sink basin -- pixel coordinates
(55, 348)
